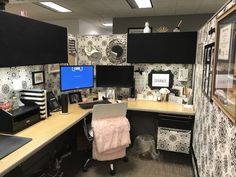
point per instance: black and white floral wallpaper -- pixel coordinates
(101, 43)
(22, 73)
(214, 138)
(52, 81)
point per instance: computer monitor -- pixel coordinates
(76, 77)
(114, 76)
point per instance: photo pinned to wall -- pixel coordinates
(183, 75)
(224, 42)
(38, 77)
(53, 68)
(199, 53)
(75, 97)
(72, 59)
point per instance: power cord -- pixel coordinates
(57, 165)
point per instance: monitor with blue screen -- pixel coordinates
(76, 77)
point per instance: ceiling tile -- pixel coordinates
(100, 10)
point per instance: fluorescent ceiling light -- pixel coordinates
(55, 6)
(107, 24)
(144, 3)
(93, 33)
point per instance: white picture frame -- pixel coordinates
(160, 80)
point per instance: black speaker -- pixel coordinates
(64, 103)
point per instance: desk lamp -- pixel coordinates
(146, 29)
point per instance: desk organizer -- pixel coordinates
(37, 96)
(19, 119)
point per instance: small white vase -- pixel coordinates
(146, 29)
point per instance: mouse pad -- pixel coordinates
(9, 144)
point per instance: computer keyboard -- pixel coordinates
(89, 105)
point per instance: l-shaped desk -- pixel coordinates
(49, 129)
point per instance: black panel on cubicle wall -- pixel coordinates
(178, 47)
(25, 41)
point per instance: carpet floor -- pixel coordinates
(169, 164)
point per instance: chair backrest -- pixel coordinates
(109, 110)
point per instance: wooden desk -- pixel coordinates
(47, 130)
(160, 107)
(42, 133)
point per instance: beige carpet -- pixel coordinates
(168, 165)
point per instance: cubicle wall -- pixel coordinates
(214, 138)
(103, 43)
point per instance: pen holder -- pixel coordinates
(140, 97)
(164, 97)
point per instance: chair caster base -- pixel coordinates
(112, 172)
(86, 165)
(85, 169)
(126, 159)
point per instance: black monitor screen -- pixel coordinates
(76, 77)
(114, 76)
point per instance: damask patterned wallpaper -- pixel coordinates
(214, 138)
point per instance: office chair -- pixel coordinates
(106, 116)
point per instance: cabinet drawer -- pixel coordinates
(176, 122)
(20, 125)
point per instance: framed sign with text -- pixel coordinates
(160, 79)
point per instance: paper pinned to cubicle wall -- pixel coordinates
(101, 95)
(183, 74)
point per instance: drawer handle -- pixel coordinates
(28, 122)
(175, 116)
